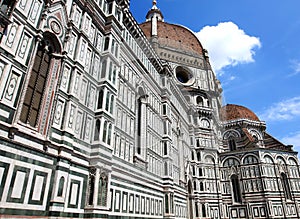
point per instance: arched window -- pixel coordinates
(201, 186)
(199, 101)
(102, 190)
(110, 71)
(97, 130)
(203, 210)
(237, 197)
(109, 134)
(104, 131)
(111, 109)
(107, 101)
(195, 185)
(200, 172)
(114, 75)
(198, 156)
(286, 186)
(38, 78)
(113, 46)
(231, 144)
(139, 120)
(193, 158)
(106, 43)
(100, 99)
(196, 210)
(91, 186)
(61, 186)
(165, 148)
(166, 203)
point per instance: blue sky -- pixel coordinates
(254, 46)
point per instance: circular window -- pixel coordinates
(183, 75)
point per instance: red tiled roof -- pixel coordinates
(174, 36)
(234, 112)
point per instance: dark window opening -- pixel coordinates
(61, 186)
(100, 99)
(6, 6)
(139, 125)
(102, 191)
(91, 188)
(201, 186)
(232, 144)
(200, 172)
(203, 210)
(36, 86)
(286, 186)
(165, 148)
(236, 189)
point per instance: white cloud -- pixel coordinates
(293, 139)
(295, 65)
(228, 45)
(284, 110)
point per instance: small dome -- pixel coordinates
(174, 36)
(235, 112)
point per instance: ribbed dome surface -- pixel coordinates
(234, 112)
(174, 36)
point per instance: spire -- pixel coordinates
(154, 12)
(154, 2)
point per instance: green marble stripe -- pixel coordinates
(25, 149)
(22, 212)
(100, 155)
(10, 111)
(25, 159)
(28, 213)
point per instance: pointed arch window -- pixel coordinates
(111, 108)
(110, 75)
(196, 209)
(97, 130)
(199, 101)
(236, 190)
(198, 156)
(35, 91)
(61, 186)
(107, 101)
(286, 186)
(109, 134)
(102, 190)
(100, 99)
(203, 210)
(200, 172)
(201, 186)
(104, 131)
(232, 144)
(91, 186)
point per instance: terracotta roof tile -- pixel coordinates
(174, 36)
(234, 112)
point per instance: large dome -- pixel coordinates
(175, 37)
(235, 112)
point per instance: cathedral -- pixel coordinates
(103, 117)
